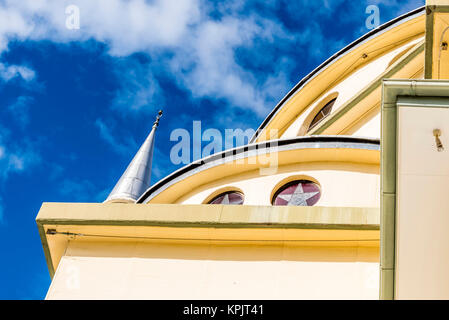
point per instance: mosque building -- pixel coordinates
(340, 194)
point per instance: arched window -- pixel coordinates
(297, 193)
(323, 113)
(230, 197)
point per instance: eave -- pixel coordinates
(59, 223)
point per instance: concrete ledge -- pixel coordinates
(175, 215)
(202, 224)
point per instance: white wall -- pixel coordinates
(342, 185)
(422, 237)
(348, 88)
(138, 270)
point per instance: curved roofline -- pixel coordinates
(333, 58)
(314, 142)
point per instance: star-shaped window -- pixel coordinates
(230, 197)
(297, 193)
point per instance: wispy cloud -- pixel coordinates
(232, 52)
(83, 190)
(15, 156)
(9, 72)
(20, 109)
(198, 48)
(139, 89)
(194, 41)
(208, 67)
(17, 160)
(78, 190)
(123, 148)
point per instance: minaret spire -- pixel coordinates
(136, 178)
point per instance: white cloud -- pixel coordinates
(193, 41)
(13, 25)
(17, 160)
(8, 72)
(15, 156)
(179, 35)
(128, 26)
(208, 65)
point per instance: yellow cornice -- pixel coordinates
(369, 97)
(60, 223)
(169, 190)
(340, 69)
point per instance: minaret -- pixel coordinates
(136, 179)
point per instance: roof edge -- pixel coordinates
(327, 62)
(371, 142)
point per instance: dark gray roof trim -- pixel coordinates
(305, 142)
(375, 32)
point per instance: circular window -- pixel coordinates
(297, 193)
(230, 197)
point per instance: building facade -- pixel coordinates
(314, 207)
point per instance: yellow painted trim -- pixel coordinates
(181, 215)
(164, 222)
(400, 55)
(223, 190)
(306, 124)
(428, 64)
(172, 193)
(438, 21)
(339, 70)
(371, 89)
(47, 253)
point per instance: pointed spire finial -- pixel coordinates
(159, 115)
(136, 178)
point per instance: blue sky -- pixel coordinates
(75, 104)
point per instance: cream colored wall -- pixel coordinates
(145, 270)
(440, 65)
(347, 89)
(370, 125)
(437, 2)
(422, 237)
(371, 128)
(342, 185)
